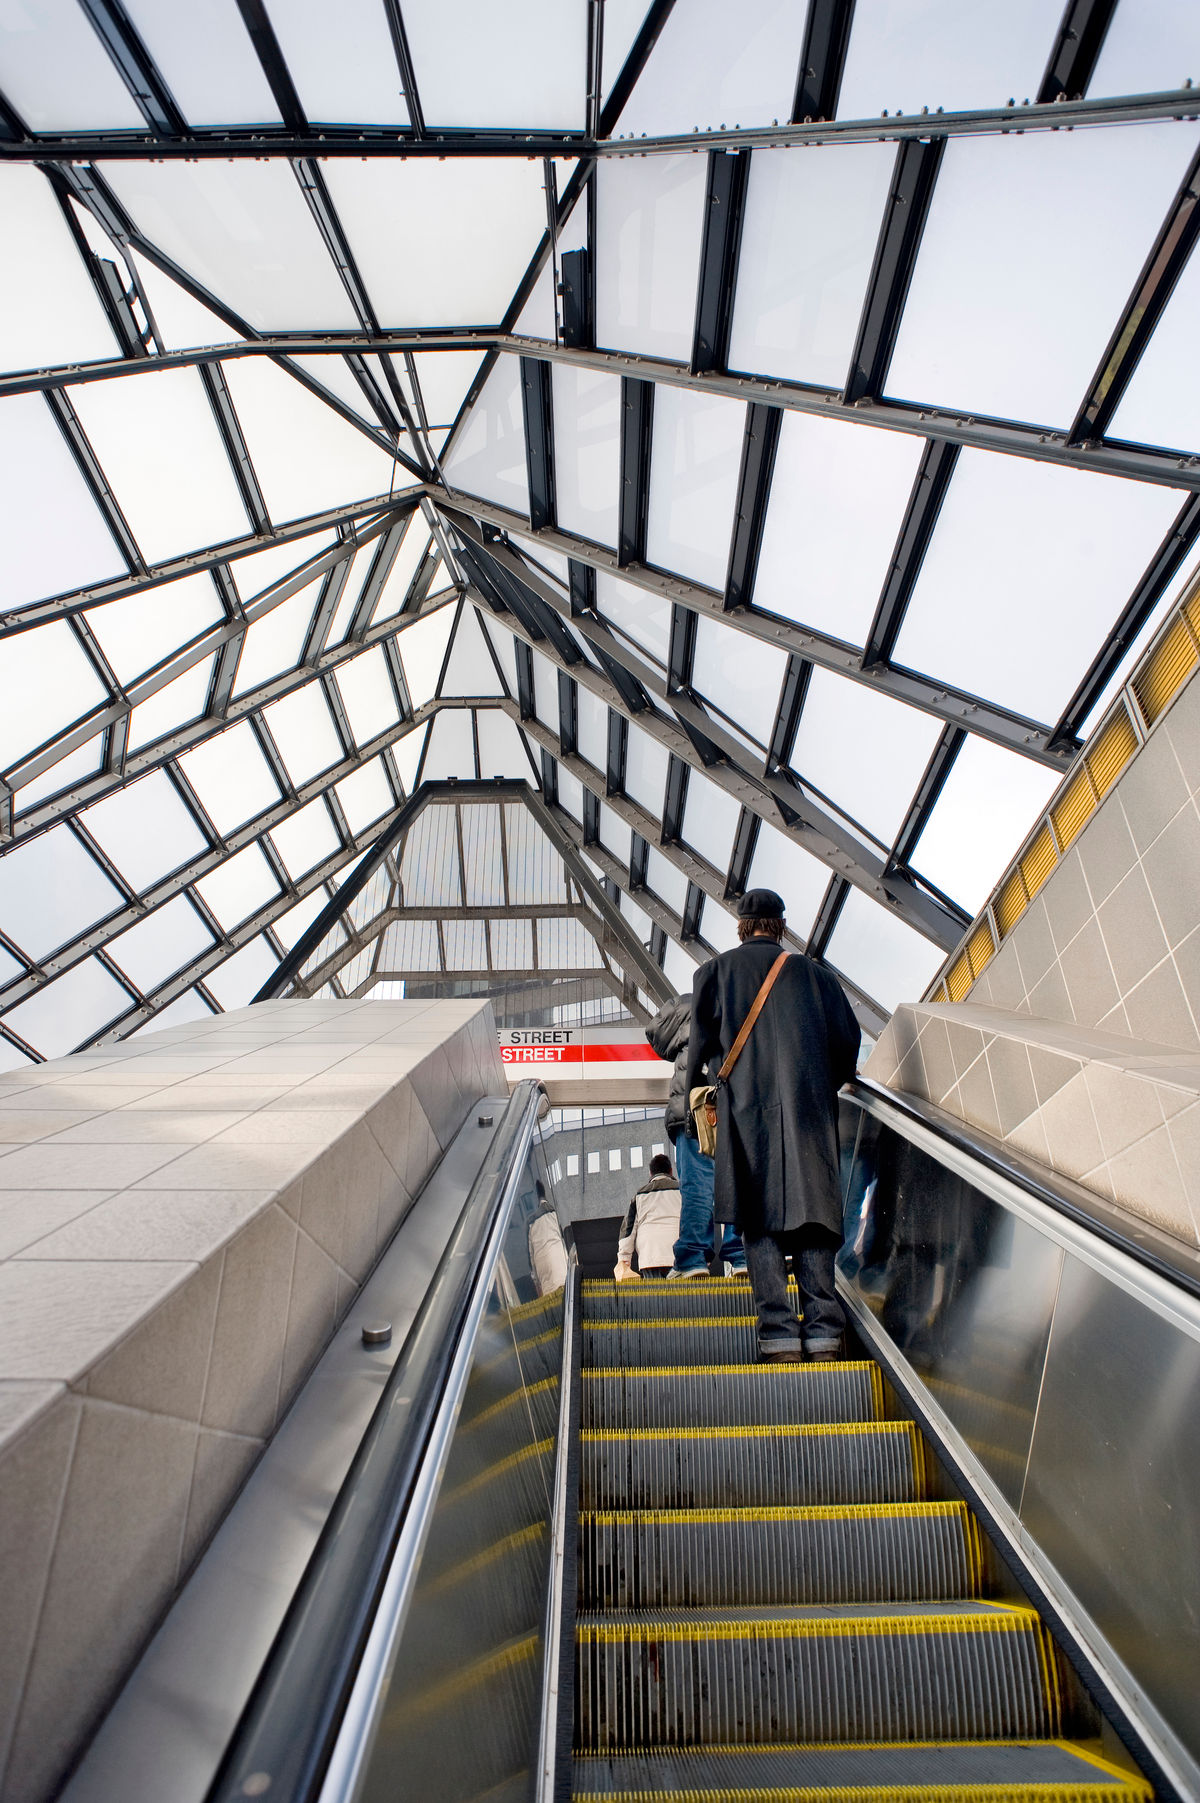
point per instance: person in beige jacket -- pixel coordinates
(651, 1224)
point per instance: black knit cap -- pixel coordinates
(761, 904)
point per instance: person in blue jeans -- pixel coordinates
(668, 1034)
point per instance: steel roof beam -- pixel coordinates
(908, 203)
(754, 492)
(924, 801)
(745, 840)
(1014, 438)
(136, 67)
(568, 714)
(832, 903)
(822, 59)
(358, 141)
(539, 441)
(1155, 286)
(617, 753)
(1029, 737)
(775, 794)
(637, 406)
(724, 201)
(916, 530)
(270, 56)
(1076, 49)
(92, 471)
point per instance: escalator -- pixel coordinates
(772, 1603)
(592, 1549)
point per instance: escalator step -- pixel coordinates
(679, 1396)
(669, 1301)
(704, 1558)
(967, 1671)
(878, 1461)
(658, 1340)
(971, 1772)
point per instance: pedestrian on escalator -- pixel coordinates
(693, 1250)
(651, 1224)
(776, 1120)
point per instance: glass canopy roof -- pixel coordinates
(759, 441)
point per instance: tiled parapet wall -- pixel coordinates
(183, 1222)
(1120, 1116)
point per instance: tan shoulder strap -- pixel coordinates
(735, 1050)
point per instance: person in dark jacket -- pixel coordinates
(777, 1142)
(668, 1035)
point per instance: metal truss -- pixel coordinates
(20, 145)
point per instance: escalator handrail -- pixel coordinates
(1137, 1240)
(283, 1742)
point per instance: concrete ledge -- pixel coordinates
(1118, 1115)
(183, 1223)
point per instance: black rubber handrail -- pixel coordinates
(1138, 1240)
(283, 1742)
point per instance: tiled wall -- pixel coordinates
(1122, 1119)
(1113, 940)
(183, 1222)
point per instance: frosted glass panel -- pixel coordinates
(161, 944)
(779, 863)
(71, 769)
(650, 215)
(990, 801)
(1149, 47)
(237, 981)
(145, 830)
(695, 459)
(470, 670)
(587, 451)
(207, 60)
(1054, 553)
(306, 838)
(180, 701)
(593, 729)
(488, 455)
(909, 54)
(72, 1010)
(863, 750)
(814, 566)
(140, 630)
(710, 820)
(1162, 403)
(231, 777)
(367, 693)
(49, 313)
(741, 676)
(451, 749)
(158, 443)
(718, 926)
(239, 887)
(646, 771)
(808, 240)
(307, 457)
(243, 231)
(423, 651)
(302, 727)
(445, 377)
(501, 752)
(365, 796)
(713, 66)
(880, 954)
(643, 617)
(63, 543)
(983, 328)
(47, 681)
(51, 890)
(57, 73)
(355, 78)
(545, 691)
(459, 235)
(275, 641)
(479, 64)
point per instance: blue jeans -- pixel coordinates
(695, 1243)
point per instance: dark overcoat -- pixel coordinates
(777, 1144)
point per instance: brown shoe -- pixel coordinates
(781, 1352)
(826, 1355)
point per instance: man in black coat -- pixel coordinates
(777, 1143)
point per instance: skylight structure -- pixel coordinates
(765, 437)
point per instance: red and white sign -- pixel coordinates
(580, 1052)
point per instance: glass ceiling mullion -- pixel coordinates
(235, 446)
(379, 513)
(137, 68)
(93, 474)
(822, 59)
(274, 67)
(1029, 737)
(945, 752)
